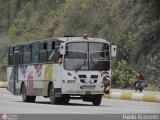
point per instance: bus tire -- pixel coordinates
(32, 98)
(25, 97)
(97, 100)
(53, 98)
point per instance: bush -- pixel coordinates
(123, 75)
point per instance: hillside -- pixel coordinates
(134, 25)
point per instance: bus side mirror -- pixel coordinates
(113, 50)
(62, 49)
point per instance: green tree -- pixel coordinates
(127, 43)
(153, 67)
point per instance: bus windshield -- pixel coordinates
(87, 56)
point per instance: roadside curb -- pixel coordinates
(123, 95)
(127, 95)
(3, 84)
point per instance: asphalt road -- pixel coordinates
(11, 104)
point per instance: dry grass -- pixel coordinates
(152, 88)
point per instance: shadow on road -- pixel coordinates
(48, 103)
(69, 104)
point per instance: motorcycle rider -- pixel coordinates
(139, 78)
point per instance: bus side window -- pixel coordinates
(11, 55)
(34, 56)
(16, 49)
(53, 45)
(21, 54)
(43, 47)
(27, 54)
(51, 52)
(16, 55)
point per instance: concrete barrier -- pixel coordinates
(3, 84)
(127, 95)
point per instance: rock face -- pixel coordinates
(132, 24)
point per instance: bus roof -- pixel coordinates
(81, 39)
(64, 39)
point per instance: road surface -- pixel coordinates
(10, 104)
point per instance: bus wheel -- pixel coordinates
(97, 100)
(32, 98)
(25, 97)
(52, 96)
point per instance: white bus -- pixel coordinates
(61, 69)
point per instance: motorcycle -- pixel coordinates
(139, 86)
